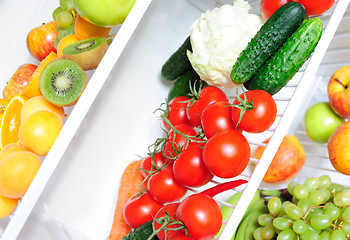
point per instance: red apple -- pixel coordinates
(339, 92)
(40, 40)
(338, 148)
(287, 162)
(19, 80)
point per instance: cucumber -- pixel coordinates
(178, 63)
(271, 36)
(143, 232)
(182, 85)
(277, 71)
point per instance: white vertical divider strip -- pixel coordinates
(300, 93)
(75, 119)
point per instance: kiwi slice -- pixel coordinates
(87, 52)
(62, 82)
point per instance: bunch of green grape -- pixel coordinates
(64, 15)
(319, 210)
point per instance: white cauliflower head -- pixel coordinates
(217, 39)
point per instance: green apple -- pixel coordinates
(321, 121)
(104, 13)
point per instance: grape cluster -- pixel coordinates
(64, 15)
(319, 210)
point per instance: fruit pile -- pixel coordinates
(318, 209)
(33, 110)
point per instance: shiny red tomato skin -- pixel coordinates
(171, 210)
(177, 112)
(182, 237)
(318, 7)
(201, 215)
(261, 117)
(207, 95)
(146, 163)
(226, 154)
(140, 209)
(189, 168)
(216, 118)
(268, 7)
(176, 142)
(163, 186)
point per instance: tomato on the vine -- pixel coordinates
(318, 7)
(201, 216)
(226, 154)
(189, 168)
(140, 209)
(170, 209)
(163, 186)
(151, 163)
(268, 7)
(176, 112)
(312, 7)
(216, 118)
(259, 114)
(207, 95)
(176, 142)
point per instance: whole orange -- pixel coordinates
(17, 171)
(39, 131)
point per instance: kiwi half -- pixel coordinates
(62, 82)
(87, 52)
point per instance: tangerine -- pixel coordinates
(84, 29)
(67, 40)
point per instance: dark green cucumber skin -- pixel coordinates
(178, 63)
(143, 232)
(281, 68)
(271, 36)
(181, 87)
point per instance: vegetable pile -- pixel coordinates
(204, 128)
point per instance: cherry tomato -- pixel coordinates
(189, 168)
(216, 118)
(176, 142)
(140, 209)
(201, 215)
(182, 237)
(268, 7)
(146, 163)
(207, 95)
(260, 117)
(226, 154)
(318, 7)
(171, 210)
(176, 112)
(163, 186)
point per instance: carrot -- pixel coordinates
(129, 186)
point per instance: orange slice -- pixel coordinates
(32, 87)
(11, 121)
(3, 104)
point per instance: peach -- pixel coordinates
(38, 103)
(17, 172)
